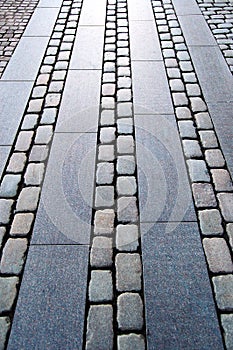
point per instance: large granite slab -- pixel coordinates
(180, 310)
(42, 22)
(65, 210)
(79, 111)
(13, 100)
(150, 89)
(144, 41)
(184, 7)
(164, 189)
(213, 73)
(88, 56)
(93, 13)
(51, 305)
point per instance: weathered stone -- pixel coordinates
(9, 185)
(104, 222)
(198, 170)
(5, 210)
(126, 165)
(108, 89)
(126, 185)
(187, 129)
(107, 135)
(104, 196)
(28, 199)
(124, 109)
(21, 225)
(218, 255)
(192, 149)
(107, 117)
(100, 328)
(8, 292)
(214, 158)
(2, 234)
(197, 104)
(38, 153)
(204, 195)
(106, 153)
(39, 91)
(193, 90)
(125, 144)
(127, 209)
(180, 99)
(34, 174)
(183, 113)
(131, 342)
(101, 252)
(124, 95)
(56, 86)
(223, 286)
(44, 134)
(176, 85)
(208, 139)
(226, 205)
(100, 286)
(17, 162)
(129, 311)
(203, 121)
(105, 173)
(35, 105)
(4, 329)
(13, 256)
(125, 126)
(30, 121)
(222, 180)
(128, 272)
(227, 324)
(210, 222)
(127, 237)
(24, 140)
(49, 115)
(230, 234)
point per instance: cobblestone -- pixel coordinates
(21, 224)
(24, 141)
(13, 256)
(105, 173)
(127, 209)
(44, 134)
(128, 272)
(218, 255)
(203, 121)
(183, 113)
(229, 230)
(226, 205)
(5, 210)
(223, 286)
(210, 222)
(214, 158)
(30, 121)
(127, 237)
(100, 286)
(2, 234)
(104, 222)
(8, 291)
(222, 180)
(17, 162)
(4, 329)
(107, 135)
(187, 129)
(126, 185)
(192, 149)
(131, 342)
(204, 195)
(126, 165)
(101, 252)
(198, 170)
(208, 139)
(28, 199)
(34, 174)
(227, 324)
(104, 196)
(129, 311)
(125, 144)
(9, 186)
(106, 153)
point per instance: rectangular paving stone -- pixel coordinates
(4, 153)
(51, 304)
(65, 209)
(196, 31)
(79, 111)
(41, 22)
(25, 66)
(88, 56)
(140, 10)
(13, 100)
(180, 307)
(184, 7)
(164, 191)
(93, 13)
(144, 41)
(213, 73)
(150, 89)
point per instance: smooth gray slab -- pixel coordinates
(49, 3)
(184, 7)
(13, 100)
(144, 41)
(4, 153)
(26, 60)
(88, 56)
(213, 72)
(93, 13)
(41, 22)
(180, 310)
(79, 111)
(196, 31)
(222, 116)
(140, 10)
(150, 88)
(164, 190)
(51, 305)
(65, 210)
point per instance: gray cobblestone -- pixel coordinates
(192, 149)
(227, 324)
(28, 199)
(226, 205)
(173, 73)
(208, 139)
(125, 144)
(223, 286)
(100, 286)
(9, 185)
(210, 222)
(49, 115)
(127, 209)
(189, 77)
(203, 121)
(100, 328)
(129, 311)
(35, 105)
(197, 104)
(126, 165)
(21, 224)
(222, 180)
(4, 329)
(204, 195)
(24, 140)
(38, 153)
(218, 255)
(128, 272)
(30, 121)
(8, 291)
(17, 162)
(106, 153)
(131, 342)
(198, 170)
(125, 126)
(104, 222)
(126, 185)
(44, 134)
(107, 117)
(193, 90)
(34, 174)
(104, 196)
(187, 129)
(101, 252)
(105, 173)
(2, 234)
(214, 158)
(108, 89)
(176, 85)
(13, 256)
(229, 229)
(127, 237)
(183, 113)
(107, 135)
(180, 99)
(5, 210)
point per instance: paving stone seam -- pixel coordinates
(198, 139)
(24, 173)
(114, 95)
(219, 17)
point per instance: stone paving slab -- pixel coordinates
(42, 22)
(180, 311)
(55, 298)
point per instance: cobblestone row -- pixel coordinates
(14, 16)
(115, 308)
(23, 176)
(210, 180)
(219, 16)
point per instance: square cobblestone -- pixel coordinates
(204, 195)
(210, 222)
(129, 311)
(223, 286)
(104, 222)
(128, 272)
(5, 210)
(100, 286)
(227, 324)
(222, 180)
(218, 255)
(127, 209)
(198, 170)
(131, 342)
(226, 205)
(214, 158)
(127, 237)
(13, 256)
(8, 292)
(104, 196)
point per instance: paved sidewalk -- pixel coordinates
(116, 160)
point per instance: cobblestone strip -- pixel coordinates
(219, 16)
(211, 183)
(14, 17)
(115, 309)
(22, 180)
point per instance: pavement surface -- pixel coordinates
(116, 161)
